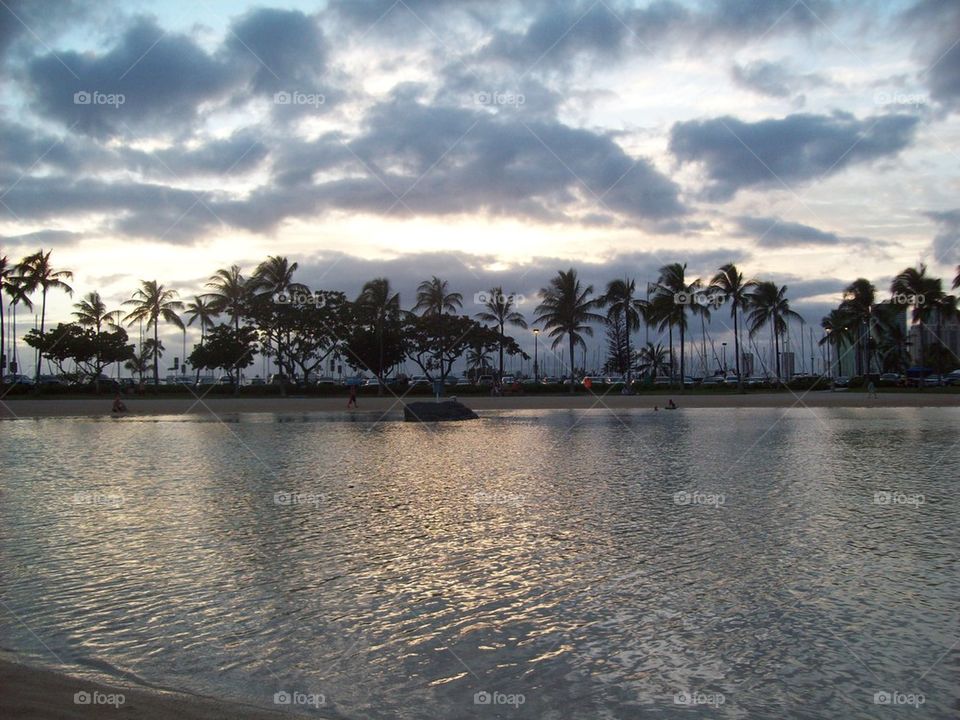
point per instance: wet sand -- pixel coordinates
(29, 407)
(32, 694)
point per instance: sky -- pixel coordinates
(490, 143)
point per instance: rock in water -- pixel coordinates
(436, 412)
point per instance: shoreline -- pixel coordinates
(31, 407)
(38, 694)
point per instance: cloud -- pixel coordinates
(773, 153)
(773, 232)
(936, 23)
(151, 80)
(280, 51)
(946, 243)
(775, 79)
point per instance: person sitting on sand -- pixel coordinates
(671, 405)
(656, 409)
(118, 405)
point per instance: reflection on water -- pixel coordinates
(748, 563)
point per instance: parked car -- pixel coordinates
(952, 378)
(756, 381)
(464, 382)
(508, 380)
(485, 381)
(550, 380)
(712, 381)
(50, 381)
(17, 380)
(257, 381)
(933, 381)
(841, 381)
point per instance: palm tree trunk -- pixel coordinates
(43, 315)
(380, 365)
(500, 344)
(629, 363)
(156, 357)
(776, 351)
(670, 332)
(683, 373)
(3, 341)
(736, 349)
(572, 363)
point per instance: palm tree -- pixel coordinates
(836, 327)
(37, 272)
(622, 304)
(477, 358)
(499, 310)
(231, 293)
(16, 290)
(729, 284)
(945, 307)
(434, 300)
(859, 298)
(673, 296)
(912, 287)
(769, 306)
(138, 364)
(92, 312)
(201, 310)
(275, 276)
(566, 309)
(377, 298)
(153, 302)
(6, 273)
(652, 358)
(956, 280)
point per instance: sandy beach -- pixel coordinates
(91, 406)
(33, 694)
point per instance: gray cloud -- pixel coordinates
(770, 153)
(775, 79)
(162, 77)
(936, 23)
(946, 243)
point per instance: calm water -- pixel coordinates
(730, 563)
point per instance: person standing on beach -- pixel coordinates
(353, 396)
(871, 389)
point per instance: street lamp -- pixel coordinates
(536, 367)
(724, 359)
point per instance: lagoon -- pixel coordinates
(550, 564)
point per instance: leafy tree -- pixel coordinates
(653, 359)
(226, 349)
(377, 312)
(231, 293)
(434, 343)
(89, 350)
(618, 346)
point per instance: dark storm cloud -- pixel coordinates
(780, 152)
(946, 243)
(150, 80)
(936, 23)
